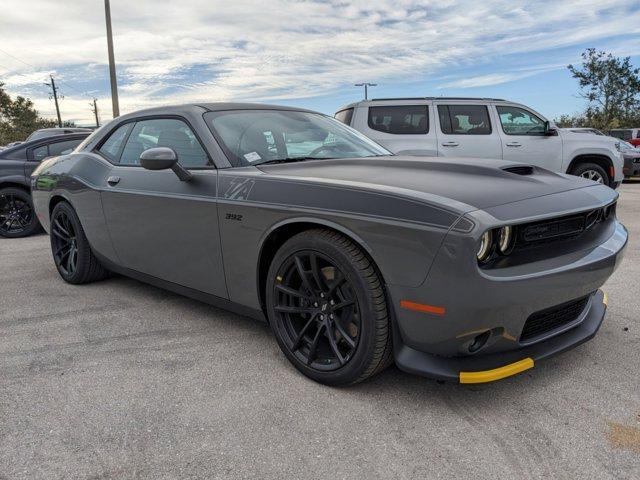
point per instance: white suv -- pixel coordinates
(484, 128)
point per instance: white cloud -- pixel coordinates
(284, 49)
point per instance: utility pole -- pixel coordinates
(365, 85)
(94, 109)
(112, 63)
(54, 95)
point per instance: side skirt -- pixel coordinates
(218, 302)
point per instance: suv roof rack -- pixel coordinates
(439, 98)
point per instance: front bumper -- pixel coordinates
(488, 368)
(464, 303)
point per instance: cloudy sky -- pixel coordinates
(307, 53)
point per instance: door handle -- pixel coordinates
(450, 144)
(113, 181)
(514, 144)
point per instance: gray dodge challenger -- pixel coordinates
(456, 269)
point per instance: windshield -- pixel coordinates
(251, 137)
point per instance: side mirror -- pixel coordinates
(164, 158)
(550, 131)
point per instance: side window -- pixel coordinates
(518, 121)
(400, 120)
(345, 116)
(40, 153)
(63, 148)
(164, 132)
(464, 119)
(111, 147)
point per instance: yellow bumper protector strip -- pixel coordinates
(497, 373)
(605, 299)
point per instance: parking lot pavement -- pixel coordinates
(122, 380)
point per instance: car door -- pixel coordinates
(524, 139)
(466, 130)
(159, 225)
(402, 129)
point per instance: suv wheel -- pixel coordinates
(327, 308)
(17, 218)
(593, 172)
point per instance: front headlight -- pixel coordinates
(485, 246)
(505, 239)
(618, 146)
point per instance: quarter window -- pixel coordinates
(518, 121)
(400, 120)
(345, 116)
(164, 132)
(112, 146)
(464, 119)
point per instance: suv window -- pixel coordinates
(40, 153)
(111, 147)
(400, 120)
(345, 116)
(464, 119)
(518, 121)
(621, 134)
(164, 132)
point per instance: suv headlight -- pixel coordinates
(617, 144)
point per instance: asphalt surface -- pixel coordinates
(122, 380)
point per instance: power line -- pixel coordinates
(36, 68)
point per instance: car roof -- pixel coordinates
(208, 107)
(422, 99)
(46, 140)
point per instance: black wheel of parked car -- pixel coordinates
(327, 307)
(72, 253)
(592, 171)
(17, 218)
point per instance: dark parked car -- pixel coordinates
(50, 132)
(459, 269)
(17, 218)
(631, 156)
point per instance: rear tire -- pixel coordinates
(17, 216)
(327, 307)
(592, 171)
(72, 253)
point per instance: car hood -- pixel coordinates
(462, 183)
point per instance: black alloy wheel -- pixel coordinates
(319, 310)
(72, 254)
(64, 244)
(17, 218)
(327, 307)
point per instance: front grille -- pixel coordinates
(561, 228)
(553, 318)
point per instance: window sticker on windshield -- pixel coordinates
(252, 157)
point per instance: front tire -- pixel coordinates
(592, 171)
(72, 253)
(17, 217)
(327, 308)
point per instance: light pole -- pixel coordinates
(366, 85)
(112, 63)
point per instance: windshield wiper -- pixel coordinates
(289, 160)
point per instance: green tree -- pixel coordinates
(611, 85)
(18, 118)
